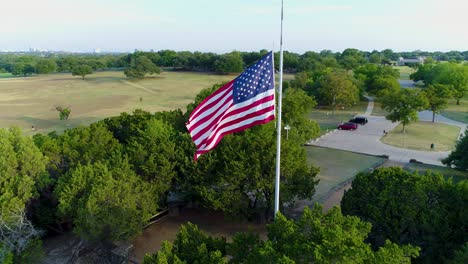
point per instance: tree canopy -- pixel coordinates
(82, 70)
(22, 174)
(140, 66)
(437, 96)
(229, 63)
(459, 157)
(337, 88)
(93, 195)
(407, 208)
(316, 237)
(403, 105)
(453, 75)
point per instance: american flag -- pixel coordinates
(246, 101)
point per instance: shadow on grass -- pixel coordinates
(48, 125)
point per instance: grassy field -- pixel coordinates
(31, 101)
(328, 121)
(420, 135)
(405, 71)
(5, 75)
(457, 112)
(337, 167)
(456, 175)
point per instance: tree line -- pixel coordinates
(20, 64)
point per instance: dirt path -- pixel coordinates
(140, 87)
(370, 106)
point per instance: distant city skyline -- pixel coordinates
(223, 26)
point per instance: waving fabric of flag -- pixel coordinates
(246, 101)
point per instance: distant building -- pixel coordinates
(416, 60)
(96, 51)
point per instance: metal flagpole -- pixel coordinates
(278, 127)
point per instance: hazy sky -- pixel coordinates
(226, 25)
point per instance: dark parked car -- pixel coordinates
(359, 120)
(348, 126)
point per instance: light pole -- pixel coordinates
(287, 128)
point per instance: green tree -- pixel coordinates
(437, 96)
(28, 69)
(237, 176)
(64, 112)
(456, 76)
(352, 58)
(375, 58)
(407, 208)
(461, 255)
(403, 105)
(191, 246)
(141, 66)
(424, 73)
(82, 70)
(152, 152)
(22, 174)
(17, 69)
(297, 104)
(377, 77)
(44, 66)
(316, 237)
(105, 203)
(22, 170)
(459, 158)
(87, 145)
(337, 89)
(229, 63)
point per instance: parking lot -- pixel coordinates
(366, 139)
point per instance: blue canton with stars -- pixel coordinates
(257, 79)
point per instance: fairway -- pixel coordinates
(420, 136)
(457, 112)
(337, 167)
(31, 101)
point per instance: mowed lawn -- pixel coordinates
(457, 112)
(5, 75)
(420, 136)
(405, 71)
(337, 167)
(456, 175)
(31, 101)
(328, 121)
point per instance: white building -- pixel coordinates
(416, 60)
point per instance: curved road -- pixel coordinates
(366, 139)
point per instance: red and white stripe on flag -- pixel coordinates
(244, 102)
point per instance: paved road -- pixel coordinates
(366, 139)
(406, 83)
(370, 106)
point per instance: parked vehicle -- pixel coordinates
(359, 120)
(348, 126)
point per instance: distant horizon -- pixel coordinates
(154, 50)
(224, 26)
